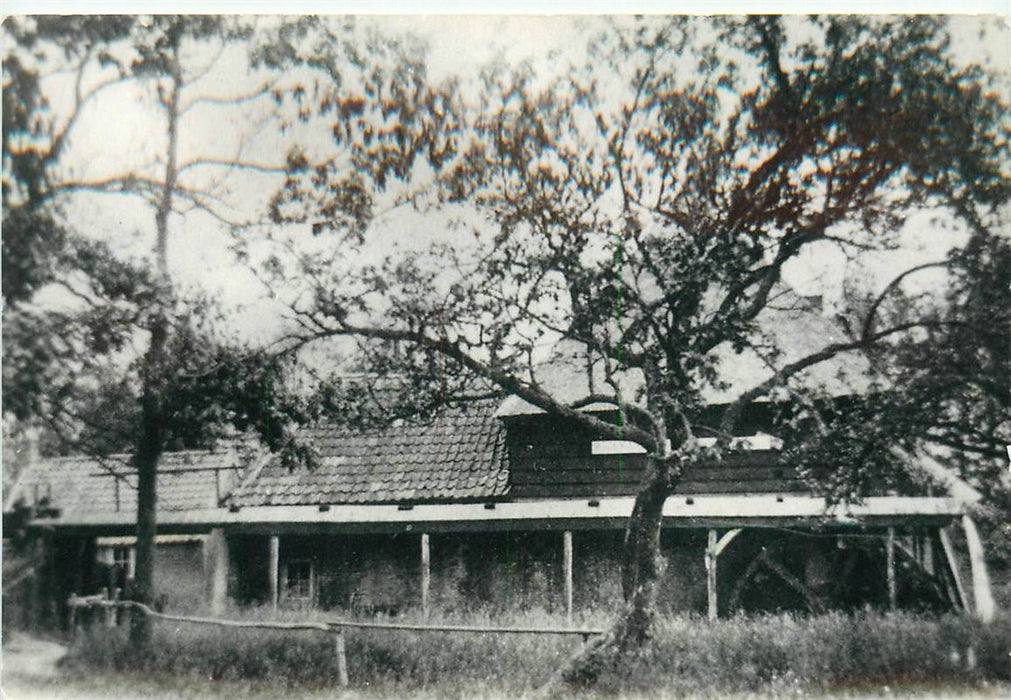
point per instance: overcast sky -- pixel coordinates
(117, 134)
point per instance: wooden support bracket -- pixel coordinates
(765, 558)
(726, 539)
(982, 595)
(952, 562)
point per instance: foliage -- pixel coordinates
(74, 370)
(641, 208)
(123, 328)
(637, 212)
(634, 208)
(958, 374)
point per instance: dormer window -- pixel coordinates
(758, 441)
(616, 447)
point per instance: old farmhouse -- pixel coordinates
(484, 507)
(497, 504)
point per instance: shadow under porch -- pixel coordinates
(574, 571)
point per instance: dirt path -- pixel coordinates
(30, 657)
(29, 663)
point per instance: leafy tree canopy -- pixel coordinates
(643, 206)
(637, 212)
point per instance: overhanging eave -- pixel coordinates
(577, 514)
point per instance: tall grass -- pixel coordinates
(788, 654)
(781, 654)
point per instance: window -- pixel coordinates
(121, 557)
(758, 441)
(118, 564)
(298, 580)
(616, 447)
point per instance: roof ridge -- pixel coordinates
(449, 410)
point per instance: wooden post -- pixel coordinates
(928, 553)
(273, 569)
(72, 614)
(890, 570)
(217, 561)
(711, 576)
(38, 553)
(567, 567)
(986, 607)
(131, 563)
(117, 594)
(219, 487)
(342, 659)
(426, 574)
(106, 609)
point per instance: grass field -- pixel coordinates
(138, 686)
(830, 656)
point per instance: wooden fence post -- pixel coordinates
(342, 659)
(106, 608)
(116, 594)
(72, 615)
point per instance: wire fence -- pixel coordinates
(108, 606)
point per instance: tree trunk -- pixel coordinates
(642, 569)
(150, 443)
(148, 453)
(643, 564)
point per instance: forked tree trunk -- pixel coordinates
(643, 567)
(643, 563)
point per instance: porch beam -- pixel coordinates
(717, 511)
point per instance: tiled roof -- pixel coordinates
(186, 481)
(460, 455)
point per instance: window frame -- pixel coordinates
(287, 594)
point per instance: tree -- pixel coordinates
(121, 325)
(93, 325)
(642, 209)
